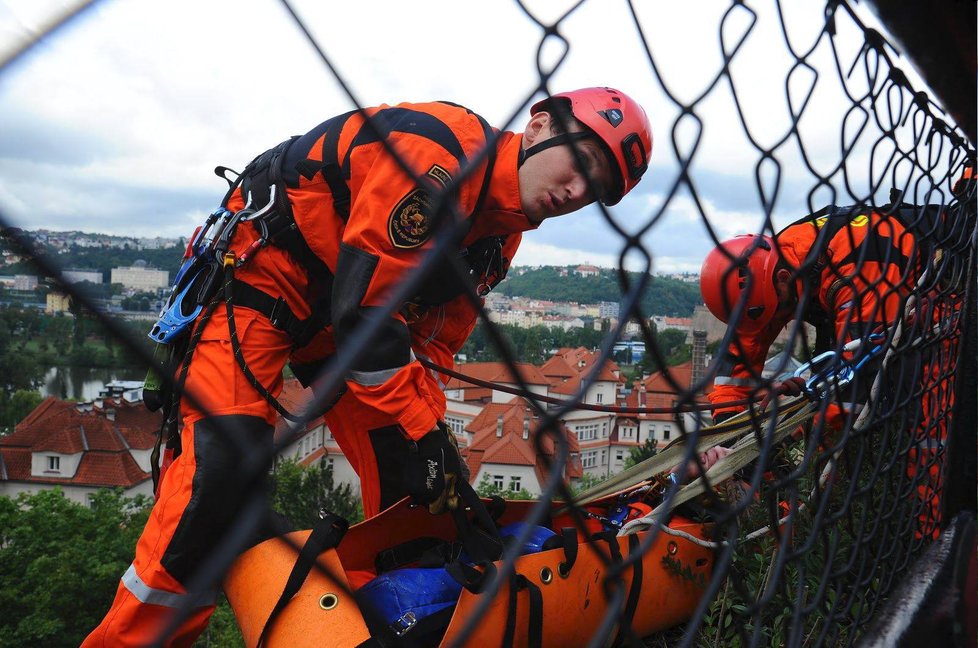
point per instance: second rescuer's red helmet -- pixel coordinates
(744, 264)
(622, 126)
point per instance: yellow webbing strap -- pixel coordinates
(737, 426)
(743, 452)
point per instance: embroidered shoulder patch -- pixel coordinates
(410, 222)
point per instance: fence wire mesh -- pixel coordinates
(801, 539)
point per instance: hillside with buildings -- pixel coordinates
(666, 295)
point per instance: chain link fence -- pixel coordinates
(801, 542)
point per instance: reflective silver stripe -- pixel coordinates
(930, 444)
(147, 594)
(374, 378)
(727, 380)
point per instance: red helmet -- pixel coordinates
(620, 124)
(745, 262)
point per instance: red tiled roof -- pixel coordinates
(109, 469)
(60, 427)
(16, 463)
(497, 372)
(567, 387)
(507, 450)
(314, 456)
(44, 406)
(680, 373)
(557, 367)
(511, 448)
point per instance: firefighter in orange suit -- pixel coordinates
(848, 271)
(355, 203)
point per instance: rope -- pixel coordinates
(236, 344)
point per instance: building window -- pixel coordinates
(587, 432)
(497, 481)
(589, 459)
(54, 464)
(665, 433)
(514, 484)
(651, 433)
(599, 397)
(620, 455)
(457, 425)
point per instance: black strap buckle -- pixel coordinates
(281, 315)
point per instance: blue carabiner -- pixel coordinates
(173, 321)
(837, 374)
(811, 385)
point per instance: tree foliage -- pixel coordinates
(299, 492)
(60, 563)
(533, 345)
(671, 344)
(641, 453)
(15, 407)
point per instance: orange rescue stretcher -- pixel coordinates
(673, 575)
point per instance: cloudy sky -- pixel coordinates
(115, 123)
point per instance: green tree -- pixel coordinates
(586, 482)
(299, 492)
(222, 630)
(641, 453)
(60, 563)
(15, 407)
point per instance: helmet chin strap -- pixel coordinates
(556, 140)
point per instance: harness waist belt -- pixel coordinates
(276, 310)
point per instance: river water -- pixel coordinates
(83, 383)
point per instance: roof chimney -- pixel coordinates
(526, 428)
(499, 425)
(110, 413)
(699, 357)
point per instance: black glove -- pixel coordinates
(433, 470)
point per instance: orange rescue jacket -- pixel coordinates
(363, 194)
(855, 269)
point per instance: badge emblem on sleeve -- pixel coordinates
(410, 223)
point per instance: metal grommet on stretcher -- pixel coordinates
(329, 601)
(547, 575)
(564, 570)
(673, 548)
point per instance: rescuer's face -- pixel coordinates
(553, 182)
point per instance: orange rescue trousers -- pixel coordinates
(201, 494)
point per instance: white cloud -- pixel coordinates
(119, 119)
